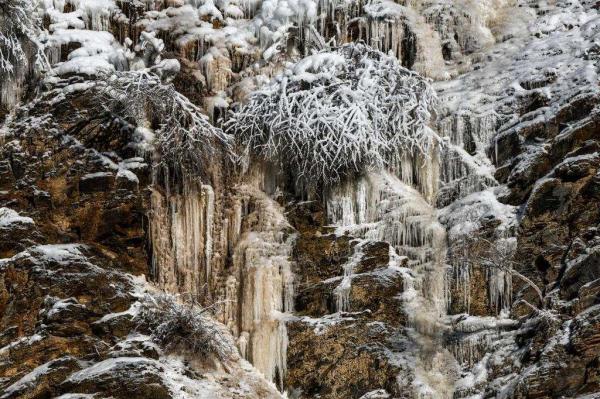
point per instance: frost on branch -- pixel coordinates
(20, 50)
(334, 114)
(184, 327)
(18, 30)
(179, 134)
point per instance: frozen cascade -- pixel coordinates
(342, 291)
(379, 206)
(262, 291)
(181, 229)
(258, 289)
(465, 167)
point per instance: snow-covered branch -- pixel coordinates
(337, 113)
(170, 124)
(19, 25)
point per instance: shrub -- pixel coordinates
(336, 113)
(178, 326)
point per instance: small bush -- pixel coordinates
(177, 326)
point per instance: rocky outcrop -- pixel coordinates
(351, 357)
(74, 270)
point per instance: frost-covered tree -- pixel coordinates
(19, 26)
(20, 50)
(337, 113)
(169, 124)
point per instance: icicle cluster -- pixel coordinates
(260, 290)
(181, 238)
(380, 207)
(337, 113)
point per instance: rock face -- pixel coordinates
(72, 275)
(473, 272)
(350, 357)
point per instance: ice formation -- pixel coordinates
(188, 238)
(380, 207)
(181, 230)
(342, 291)
(262, 244)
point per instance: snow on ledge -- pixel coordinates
(9, 217)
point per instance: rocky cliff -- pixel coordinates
(325, 199)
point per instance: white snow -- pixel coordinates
(27, 379)
(128, 175)
(111, 365)
(60, 253)
(133, 310)
(89, 176)
(28, 340)
(466, 215)
(62, 304)
(99, 52)
(385, 9)
(9, 217)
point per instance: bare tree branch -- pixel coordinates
(494, 256)
(185, 141)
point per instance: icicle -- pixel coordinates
(209, 217)
(499, 275)
(229, 315)
(11, 89)
(261, 245)
(216, 68)
(96, 14)
(181, 228)
(468, 350)
(243, 344)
